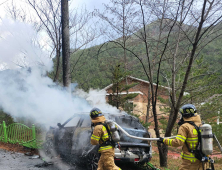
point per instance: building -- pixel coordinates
(141, 100)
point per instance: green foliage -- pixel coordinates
(118, 86)
(90, 68)
(162, 100)
(163, 122)
(119, 100)
(127, 87)
(23, 120)
(209, 114)
(93, 70)
(6, 117)
(202, 84)
(129, 96)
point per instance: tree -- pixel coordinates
(191, 35)
(120, 16)
(180, 31)
(122, 20)
(17, 13)
(48, 12)
(46, 18)
(117, 99)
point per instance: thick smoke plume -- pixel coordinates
(26, 91)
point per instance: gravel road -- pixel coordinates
(19, 161)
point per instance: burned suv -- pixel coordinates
(71, 140)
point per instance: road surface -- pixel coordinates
(19, 161)
(10, 160)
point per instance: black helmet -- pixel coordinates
(188, 110)
(95, 112)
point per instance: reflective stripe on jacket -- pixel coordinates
(188, 133)
(190, 157)
(100, 135)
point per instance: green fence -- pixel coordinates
(18, 133)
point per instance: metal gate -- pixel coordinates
(18, 133)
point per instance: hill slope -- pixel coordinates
(91, 68)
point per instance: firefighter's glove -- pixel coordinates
(160, 140)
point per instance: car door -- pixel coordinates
(65, 133)
(82, 135)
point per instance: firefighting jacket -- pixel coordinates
(100, 135)
(188, 133)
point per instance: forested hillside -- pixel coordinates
(91, 68)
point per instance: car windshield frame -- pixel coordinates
(81, 116)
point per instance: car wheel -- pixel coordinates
(49, 148)
(92, 161)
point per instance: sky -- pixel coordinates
(89, 4)
(2, 13)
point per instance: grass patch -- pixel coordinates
(174, 163)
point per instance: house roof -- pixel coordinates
(139, 92)
(134, 78)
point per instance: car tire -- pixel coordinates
(92, 160)
(49, 148)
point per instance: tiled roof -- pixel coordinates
(144, 81)
(128, 93)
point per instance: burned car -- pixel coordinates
(71, 140)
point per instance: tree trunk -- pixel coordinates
(163, 150)
(57, 66)
(65, 43)
(117, 95)
(148, 104)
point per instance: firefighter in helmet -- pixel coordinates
(187, 137)
(100, 136)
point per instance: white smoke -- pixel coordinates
(20, 47)
(96, 98)
(26, 91)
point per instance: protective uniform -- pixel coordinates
(99, 136)
(188, 133)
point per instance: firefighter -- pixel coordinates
(100, 136)
(187, 137)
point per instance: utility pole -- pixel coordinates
(65, 42)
